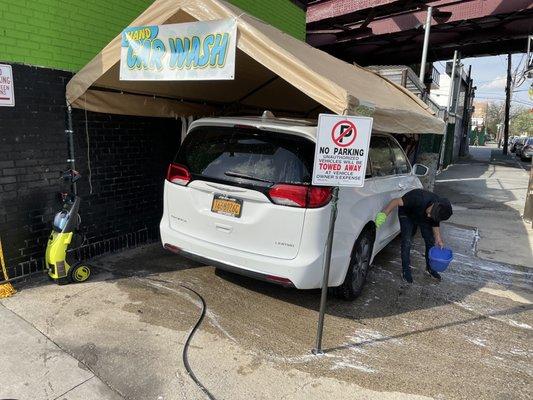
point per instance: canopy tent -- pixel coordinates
(274, 71)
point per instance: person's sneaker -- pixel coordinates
(407, 277)
(433, 274)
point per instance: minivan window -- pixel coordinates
(248, 155)
(400, 160)
(381, 157)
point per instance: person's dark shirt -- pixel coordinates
(415, 204)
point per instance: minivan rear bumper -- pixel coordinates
(227, 267)
(304, 272)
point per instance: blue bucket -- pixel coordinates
(439, 259)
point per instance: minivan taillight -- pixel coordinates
(179, 174)
(300, 195)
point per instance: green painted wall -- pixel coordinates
(283, 14)
(66, 34)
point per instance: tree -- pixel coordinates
(494, 117)
(520, 119)
(522, 122)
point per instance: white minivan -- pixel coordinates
(238, 196)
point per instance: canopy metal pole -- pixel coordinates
(70, 138)
(426, 44)
(325, 280)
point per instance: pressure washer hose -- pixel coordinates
(188, 341)
(185, 352)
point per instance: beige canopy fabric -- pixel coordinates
(274, 71)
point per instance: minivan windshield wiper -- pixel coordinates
(244, 176)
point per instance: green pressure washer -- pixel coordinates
(65, 226)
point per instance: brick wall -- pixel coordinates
(63, 35)
(128, 157)
(32, 154)
(128, 161)
(68, 34)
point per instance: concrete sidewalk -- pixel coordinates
(33, 367)
(490, 194)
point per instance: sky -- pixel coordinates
(489, 75)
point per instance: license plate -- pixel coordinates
(226, 205)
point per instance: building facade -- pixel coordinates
(66, 35)
(122, 159)
(479, 116)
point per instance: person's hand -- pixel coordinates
(381, 217)
(439, 242)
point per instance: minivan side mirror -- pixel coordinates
(420, 170)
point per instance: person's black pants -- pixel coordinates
(408, 230)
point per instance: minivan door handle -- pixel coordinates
(401, 186)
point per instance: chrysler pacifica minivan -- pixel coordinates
(238, 196)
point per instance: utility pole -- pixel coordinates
(507, 106)
(426, 44)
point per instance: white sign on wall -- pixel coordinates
(202, 50)
(341, 152)
(7, 86)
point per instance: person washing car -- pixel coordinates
(423, 209)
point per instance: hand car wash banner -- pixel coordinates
(177, 52)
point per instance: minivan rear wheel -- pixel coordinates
(358, 269)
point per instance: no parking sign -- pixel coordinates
(341, 150)
(341, 155)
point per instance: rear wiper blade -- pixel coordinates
(239, 175)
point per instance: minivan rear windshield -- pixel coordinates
(247, 155)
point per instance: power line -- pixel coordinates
(503, 99)
(498, 92)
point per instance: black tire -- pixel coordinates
(80, 272)
(358, 269)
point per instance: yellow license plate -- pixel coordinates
(226, 205)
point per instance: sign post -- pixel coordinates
(327, 262)
(341, 155)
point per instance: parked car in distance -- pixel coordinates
(238, 196)
(517, 145)
(525, 152)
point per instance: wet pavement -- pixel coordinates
(468, 337)
(122, 334)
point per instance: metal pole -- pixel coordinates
(448, 107)
(426, 44)
(507, 105)
(70, 137)
(325, 280)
